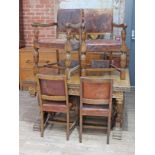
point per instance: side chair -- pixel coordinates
(95, 100)
(54, 98)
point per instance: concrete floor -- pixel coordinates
(54, 140)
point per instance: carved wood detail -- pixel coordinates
(119, 103)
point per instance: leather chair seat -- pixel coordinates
(48, 105)
(101, 45)
(59, 43)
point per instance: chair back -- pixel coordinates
(95, 91)
(65, 16)
(52, 88)
(98, 20)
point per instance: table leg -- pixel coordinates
(117, 132)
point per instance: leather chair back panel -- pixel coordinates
(98, 20)
(67, 16)
(96, 90)
(52, 87)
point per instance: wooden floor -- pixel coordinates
(54, 140)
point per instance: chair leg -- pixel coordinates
(67, 130)
(81, 127)
(42, 123)
(108, 130)
(77, 115)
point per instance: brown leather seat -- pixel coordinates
(92, 110)
(54, 43)
(100, 45)
(52, 106)
(59, 43)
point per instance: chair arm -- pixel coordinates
(72, 70)
(43, 24)
(124, 47)
(124, 26)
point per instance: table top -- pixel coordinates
(118, 84)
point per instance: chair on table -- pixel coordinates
(53, 98)
(95, 100)
(60, 43)
(97, 38)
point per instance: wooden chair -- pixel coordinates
(97, 25)
(64, 16)
(53, 98)
(95, 100)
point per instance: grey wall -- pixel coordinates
(130, 21)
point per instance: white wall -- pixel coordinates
(86, 4)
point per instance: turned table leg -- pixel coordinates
(117, 132)
(119, 118)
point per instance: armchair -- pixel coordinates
(64, 16)
(97, 24)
